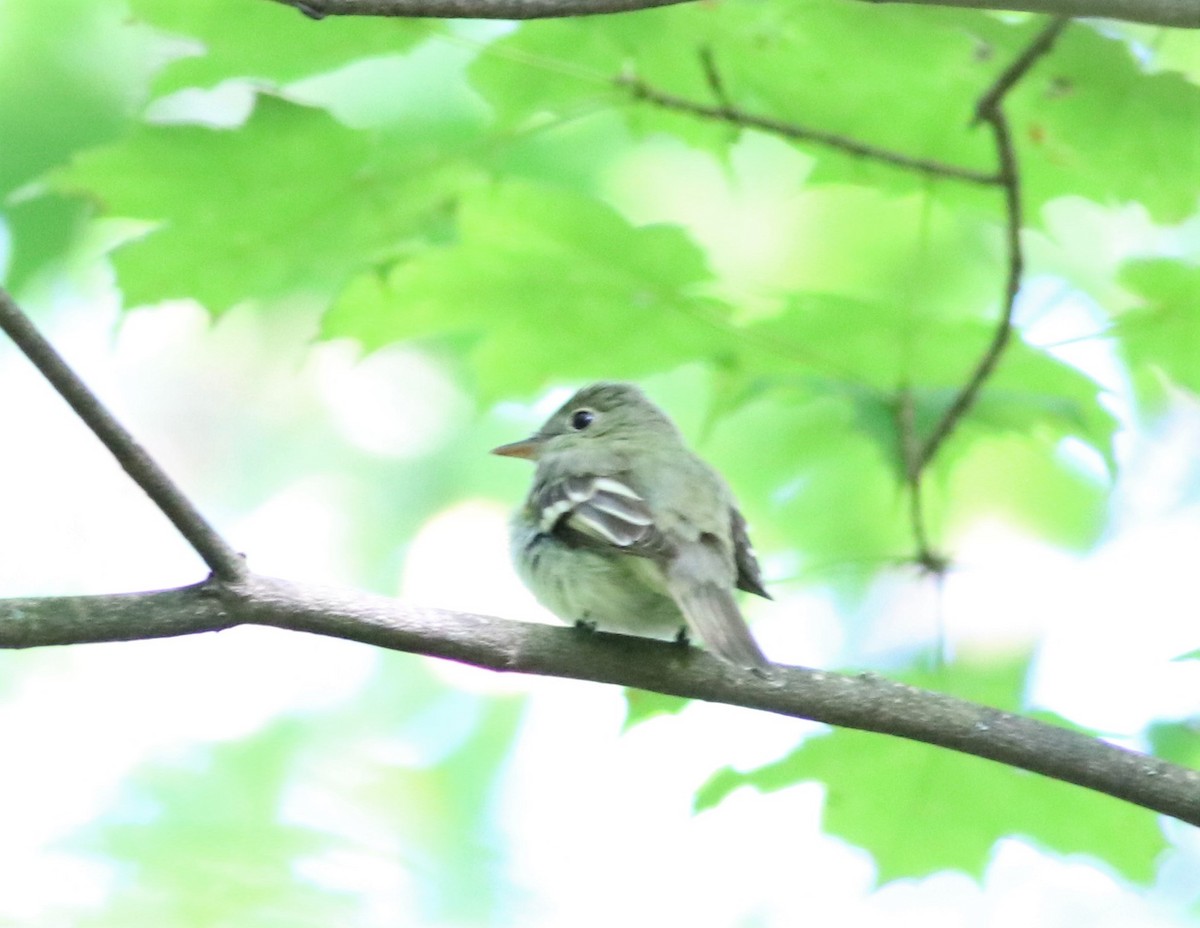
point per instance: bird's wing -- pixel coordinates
(749, 576)
(605, 512)
(599, 512)
(693, 579)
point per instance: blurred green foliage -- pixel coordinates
(468, 187)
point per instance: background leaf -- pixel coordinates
(230, 232)
(954, 807)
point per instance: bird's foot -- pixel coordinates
(585, 625)
(682, 638)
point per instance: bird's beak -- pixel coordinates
(529, 449)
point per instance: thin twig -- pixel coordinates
(222, 559)
(990, 111)
(712, 77)
(863, 701)
(910, 450)
(1008, 78)
(933, 563)
(737, 117)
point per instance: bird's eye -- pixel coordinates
(581, 419)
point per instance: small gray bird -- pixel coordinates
(627, 530)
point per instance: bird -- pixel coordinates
(626, 529)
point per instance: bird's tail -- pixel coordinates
(710, 611)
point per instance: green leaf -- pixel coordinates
(788, 62)
(1177, 742)
(1176, 50)
(1087, 120)
(920, 809)
(544, 285)
(891, 252)
(1162, 337)
(54, 100)
(875, 350)
(42, 230)
(576, 154)
(547, 68)
(421, 761)
(213, 818)
(827, 452)
(232, 32)
(1036, 394)
(778, 62)
(1036, 450)
(641, 705)
(809, 479)
(442, 813)
(231, 225)
(1009, 478)
(1090, 120)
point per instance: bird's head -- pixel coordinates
(600, 415)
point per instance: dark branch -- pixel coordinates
(736, 117)
(989, 110)
(470, 9)
(1182, 13)
(864, 702)
(1019, 67)
(217, 554)
(1185, 13)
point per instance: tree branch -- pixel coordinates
(471, 9)
(221, 559)
(989, 102)
(917, 455)
(737, 117)
(865, 701)
(988, 110)
(1183, 13)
